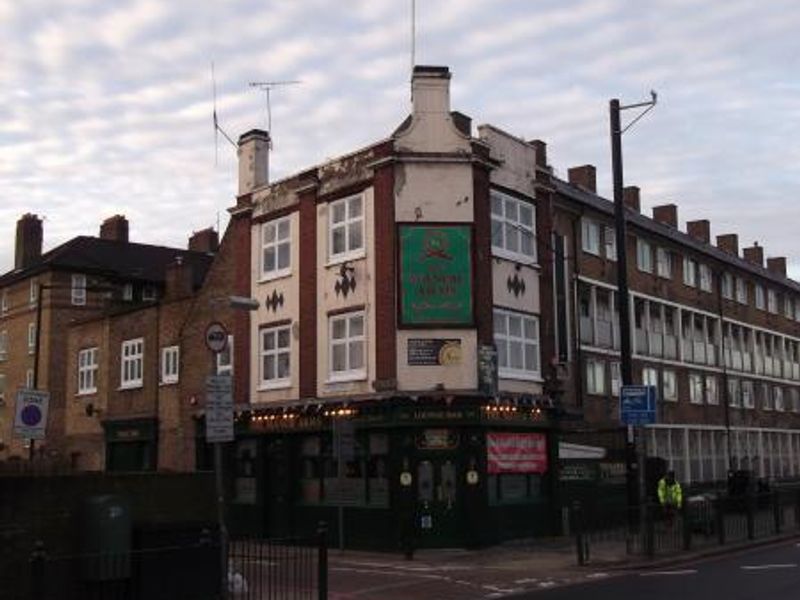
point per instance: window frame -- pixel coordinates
(705, 278)
(348, 374)
(610, 243)
(33, 292)
(170, 364)
(3, 345)
(220, 365)
(88, 367)
(697, 392)
(277, 272)
(671, 375)
(136, 359)
(741, 291)
(508, 372)
(149, 293)
(595, 366)
(127, 292)
(663, 257)
(31, 338)
(348, 253)
(689, 266)
(4, 302)
(517, 255)
(78, 290)
(760, 297)
(772, 301)
(644, 249)
(727, 286)
(276, 352)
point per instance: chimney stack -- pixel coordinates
(699, 230)
(205, 240)
(728, 242)
(253, 155)
(115, 228)
(630, 198)
(430, 90)
(777, 265)
(666, 214)
(179, 282)
(541, 152)
(584, 177)
(754, 254)
(29, 241)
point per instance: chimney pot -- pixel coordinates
(699, 230)
(253, 153)
(28, 241)
(205, 240)
(666, 214)
(754, 254)
(115, 228)
(777, 265)
(584, 176)
(728, 242)
(630, 198)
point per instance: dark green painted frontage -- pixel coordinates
(418, 476)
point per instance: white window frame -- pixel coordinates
(519, 228)
(4, 302)
(78, 289)
(778, 402)
(748, 399)
(663, 263)
(644, 255)
(615, 378)
(170, 364)
(595, 377)
(689, 272)
(87, 371)
(788, 306)
(149, 293)
(706, 278)
(275, 245)
(507, 372)
(741, 291)
(697, 390)
(669, 385)
(712, 390)
(31, 338)
(224, 359)
(276, 352)
(590, 236)
(349, 373)
(131, 364)
(772, 301)
(610, 243)
(758, 292)
(650, 376)
(726, 283)
(29, 383)
(33, 292)
(3, 345)
(348, 253)
(127, 292)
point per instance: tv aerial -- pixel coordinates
(266, 87)
(217, 128)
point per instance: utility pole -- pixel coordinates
(636, 444)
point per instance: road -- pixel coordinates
(771, 573)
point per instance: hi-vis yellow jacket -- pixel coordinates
(670, 494)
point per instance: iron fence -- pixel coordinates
(614, 533)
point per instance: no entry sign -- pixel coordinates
(30, 419)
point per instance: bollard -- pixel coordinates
(322, 561)
(719, 519)
(38, 558)
(577, 527)
(750, 502)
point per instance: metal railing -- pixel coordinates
(615, 533)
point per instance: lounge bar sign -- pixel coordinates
(516, 452)
(433, 352)
(435, 275)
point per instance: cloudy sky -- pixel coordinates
(106, 105)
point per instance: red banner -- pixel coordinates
(516, 452)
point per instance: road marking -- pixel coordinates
(596, 575)
(680, 572)
(766, 567)
(526, 580)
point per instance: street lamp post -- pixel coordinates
(623, 297)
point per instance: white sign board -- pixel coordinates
(216, 337)
(30, 417)
(219, 408)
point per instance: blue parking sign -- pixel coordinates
(637, 404)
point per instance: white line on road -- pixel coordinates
(766, 567)
(680, 572)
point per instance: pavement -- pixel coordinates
(511, 570)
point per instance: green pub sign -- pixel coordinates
(436, 275)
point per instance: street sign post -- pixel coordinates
(219, 408)
(30, 419)
(637, 405)
(344, 447)
(216, 337)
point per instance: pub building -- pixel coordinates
(397, 354)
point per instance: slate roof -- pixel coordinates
(114, 259)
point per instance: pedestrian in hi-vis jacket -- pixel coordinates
(670, 496)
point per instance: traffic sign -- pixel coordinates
(216, 337)
(637, 404)
(219, 408)
(30, 418)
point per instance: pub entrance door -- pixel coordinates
(439, 498)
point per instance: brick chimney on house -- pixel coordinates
(666, 214)
(205, 240)
(754, 254)
(29, 241)
(777, 265)
(728, 242)
(253, 155)
(179, 281)
(115, 228)
(630, 198)
(430, 90)
(699, 230)
(584, 177)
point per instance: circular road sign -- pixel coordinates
(216, 337)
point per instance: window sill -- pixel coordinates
(85, 393)
(520, 376)
(347, 257)
(167, 382)
(346, 378)
(523, 259)
(275, 276)
(283, 384)
(130, 386)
